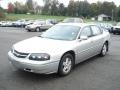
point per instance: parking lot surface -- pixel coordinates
(97, 73)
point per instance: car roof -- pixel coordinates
(74, 18)
(76, 24)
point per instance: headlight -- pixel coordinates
(39, 56)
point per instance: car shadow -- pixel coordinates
(44, 77)
(90, 60)
(33, 76)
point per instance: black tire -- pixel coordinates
(104, 50)
(61, 68)
(37, 29)
(28, 30)
(114, 33)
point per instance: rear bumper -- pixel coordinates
(26, 65)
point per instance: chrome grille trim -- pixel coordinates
(20, 54)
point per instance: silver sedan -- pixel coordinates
(60, 48)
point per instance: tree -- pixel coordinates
(86, 9)
(107, 7)
(94, 9)
(37, 8)
(117, 14)
(29, 4)
(54, 8)
(20, 8)
(17, 7)
(71, 8)
(76, 8)
(50, 7)
(10, 8)
(79, 8)
(61, 9)
(46, 7)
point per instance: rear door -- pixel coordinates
(97, 38)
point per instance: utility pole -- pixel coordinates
(0, 4)
(112, 14)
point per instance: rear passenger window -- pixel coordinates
(96, 30)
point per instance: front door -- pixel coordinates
(84, 47)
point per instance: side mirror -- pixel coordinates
(83, 37)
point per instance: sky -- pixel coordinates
(4, 3)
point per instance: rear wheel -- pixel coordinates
(104, 50)
(66, 65)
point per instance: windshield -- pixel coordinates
(39, 22)
(68, 20)
(62, 32)
(73, 20)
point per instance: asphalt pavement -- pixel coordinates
(97, 73)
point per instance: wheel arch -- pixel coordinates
(72, 53)
(38, 27)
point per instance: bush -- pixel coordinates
(2, 15)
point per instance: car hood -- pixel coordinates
(43, 45)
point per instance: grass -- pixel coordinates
(25, 16)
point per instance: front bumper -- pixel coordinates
(30, 28)
(43, 67)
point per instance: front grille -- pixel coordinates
(20, 54)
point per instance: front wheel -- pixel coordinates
(37, 29)
(28, 30)
(114, 33)
(66, 65)
(104, 50)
